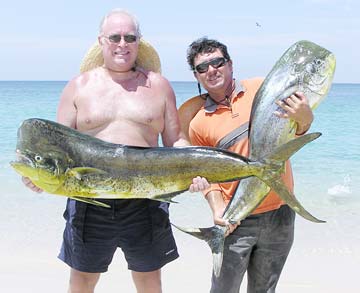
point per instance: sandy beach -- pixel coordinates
(324, 258)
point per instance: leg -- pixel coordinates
(237, 251)
(88, 245)
(271, 251)
(81, 282)
(147, 282)
(150, 248)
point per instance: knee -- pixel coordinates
(82, 282)
(148, 282)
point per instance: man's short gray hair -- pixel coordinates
(121, 11)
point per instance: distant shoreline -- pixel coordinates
(172, 81)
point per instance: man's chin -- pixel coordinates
(214, 85)
(120, 66)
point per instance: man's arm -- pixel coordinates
(171, 135)
(67, 112)
(213, 193)
(218, 206)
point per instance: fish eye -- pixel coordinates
(38, 158)
(317, 61)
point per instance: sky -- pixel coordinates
(46, 40)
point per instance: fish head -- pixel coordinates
(40, 157)
(312, 70)
(304, 67)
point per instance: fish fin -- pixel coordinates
(279, 187)
(273, 179)
(285, 151)
(91, 201)
(215, 238)
(78, 172)
(168, 197)
(166, 200)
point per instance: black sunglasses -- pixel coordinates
(116, 38)
(216, 63)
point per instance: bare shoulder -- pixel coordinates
(83, 79)
(80, 82)
(155, 78)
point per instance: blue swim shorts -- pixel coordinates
(140, 227)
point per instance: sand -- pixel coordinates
(324, 258)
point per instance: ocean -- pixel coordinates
(327, 183)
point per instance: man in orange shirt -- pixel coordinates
(262, 240)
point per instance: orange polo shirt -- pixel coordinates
(213, 122)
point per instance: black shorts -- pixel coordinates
(140, 227)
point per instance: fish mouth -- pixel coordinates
(24, 165)
(23, 159)
(42, 178)
(25, 170)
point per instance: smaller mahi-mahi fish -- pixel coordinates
(63, 161)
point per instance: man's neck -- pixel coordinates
(121, 75)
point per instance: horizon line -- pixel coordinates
(193, 81)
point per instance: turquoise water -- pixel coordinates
(326, 171)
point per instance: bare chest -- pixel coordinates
(100, 108)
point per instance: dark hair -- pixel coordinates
(204, 45)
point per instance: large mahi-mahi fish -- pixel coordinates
(61, 160)
(304, 67)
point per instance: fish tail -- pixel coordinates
(215, 238)
(285, 151)
(274, 181)
(279, 187)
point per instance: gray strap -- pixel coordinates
(234, 136)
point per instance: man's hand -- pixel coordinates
(31, 185)
(297, 108)
(218, 207)
(199, 184)
(229, 227)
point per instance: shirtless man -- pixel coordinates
(120, 103)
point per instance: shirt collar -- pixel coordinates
(211, 106)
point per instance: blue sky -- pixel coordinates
(46, 40)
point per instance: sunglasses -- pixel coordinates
(216, 63)
(116, 38)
